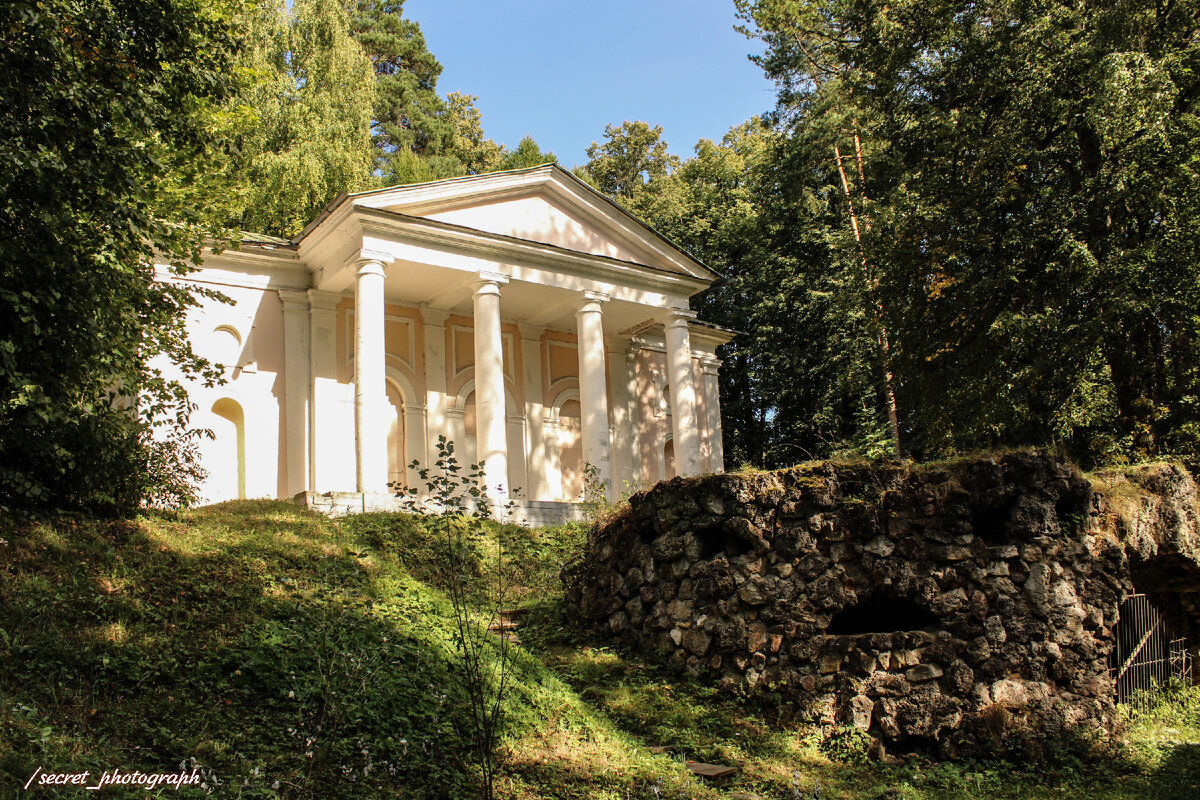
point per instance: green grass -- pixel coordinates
(293, 656)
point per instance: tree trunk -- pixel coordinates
(885, 350)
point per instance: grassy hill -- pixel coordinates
(287, 655)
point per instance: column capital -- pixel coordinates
(530, 333)
(433, 316)
(369, 265)
(489, 283)
(673, 317)
(710, 364)
(590, 296)
(323, 301)
(293, 301)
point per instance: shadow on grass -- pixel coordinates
(245, 638)
(648, 700)
(1178, 776)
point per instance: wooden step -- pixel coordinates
(503, 625)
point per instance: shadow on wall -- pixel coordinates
(247, 455)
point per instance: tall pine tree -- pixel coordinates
(408, 117)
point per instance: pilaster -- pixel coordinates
(296, 388)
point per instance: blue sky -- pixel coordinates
(561, 71)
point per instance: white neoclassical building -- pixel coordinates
(520, 314)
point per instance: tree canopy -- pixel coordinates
(312, 97)
(409, 117)
(99, 100)
(964, 226)
(632, 156)
(526, 154)
(1019, 182)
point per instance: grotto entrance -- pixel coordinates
(881, 614)
(1149, 650)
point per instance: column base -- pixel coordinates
(528, 513)
(339, 504)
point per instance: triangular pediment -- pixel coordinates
(544, 204)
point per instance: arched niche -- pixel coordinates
(462, 421)
(224, 346)
(227, 452)
(397, 452)
(567, 412)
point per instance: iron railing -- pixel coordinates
(1148, 652)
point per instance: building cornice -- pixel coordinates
(507, 249)
(421, 200)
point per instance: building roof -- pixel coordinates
(549, 182)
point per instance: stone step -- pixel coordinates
(710, 771)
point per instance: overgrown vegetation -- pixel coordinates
(95, 112)
(294, 656)
(964, 225)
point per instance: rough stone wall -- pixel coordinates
(950, 607)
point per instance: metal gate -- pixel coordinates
(1148, 651)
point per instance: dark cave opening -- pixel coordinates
(714, 541)
(881, 614)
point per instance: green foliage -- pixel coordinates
(1027, 200)
(846, 744)
(408, 115)
(418, 135)
(312, 97)
(633, 156)
(483, 669)
(804, 380)
(98, 101)
(247, 636)
(468, 146)
(527, 154)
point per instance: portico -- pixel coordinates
(522, 315)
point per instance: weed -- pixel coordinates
(483, 668)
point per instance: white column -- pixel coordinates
(323, 397)
(712, 405)
(296, 386)
(535, 413)
(593, 389)
(435, 383)
(622, 423)
(370, 392)
(491, 434)
(682, 383)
